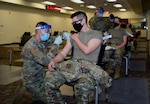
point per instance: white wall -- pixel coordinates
(15, 20)
(128, 14)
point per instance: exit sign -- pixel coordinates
(53, 8)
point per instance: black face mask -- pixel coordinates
(77, 27)
(116, 24)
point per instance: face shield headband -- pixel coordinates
(44, 27)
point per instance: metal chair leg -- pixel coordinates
(97, 97)
(126, 65)
(96, 94)
(10, 57)
(106, 91)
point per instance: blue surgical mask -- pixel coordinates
(100, 12)
(45, 36)
(100, 15)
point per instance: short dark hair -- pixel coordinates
(80, 15)
(41, 24)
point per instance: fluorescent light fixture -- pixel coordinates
(105, 4)
(111, 0)
(117, 5)
(123, 10)
(49, 3)
(77, 1)
(68, 8)
(91, 6)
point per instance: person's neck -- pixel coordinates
(118, 27)
(37, 37)
(85, 28)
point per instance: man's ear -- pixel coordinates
(83, 20)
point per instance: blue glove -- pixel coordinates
(58, 40)
(66, 36)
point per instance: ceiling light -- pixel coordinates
(105, 4)
(68, 8)
(49, 3)
(77, 1)
(122, 10)
(111, 0)
(91, 6)
(117, 5)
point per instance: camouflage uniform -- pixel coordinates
(115, 56)
(112, 57)
(82, 69)
(35, 58)
(100, 23)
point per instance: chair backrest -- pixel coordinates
(55, 33)
(25, 37)
(100, 57)
(72, 50)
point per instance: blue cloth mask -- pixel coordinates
(45, 36)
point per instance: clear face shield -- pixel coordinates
(45, 32)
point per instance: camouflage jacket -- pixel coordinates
(100, 23)
(35, 58)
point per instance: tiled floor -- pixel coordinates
(131, 90)
(9, 74)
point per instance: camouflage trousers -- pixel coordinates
(114, 58)
(85, 73)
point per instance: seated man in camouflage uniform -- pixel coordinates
(82, 68)
(115, 48)
(100, 23)
(35, 58)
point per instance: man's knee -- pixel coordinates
(54, 78)
(52, 83)
(84, 89)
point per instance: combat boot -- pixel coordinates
(117, 74)
(108, 71)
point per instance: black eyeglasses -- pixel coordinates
(77, 22)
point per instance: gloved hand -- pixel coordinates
(109, 48)
(66, 36)
(106, 33)
(107, 37)
(58, 40)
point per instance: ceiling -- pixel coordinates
(138, 6)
